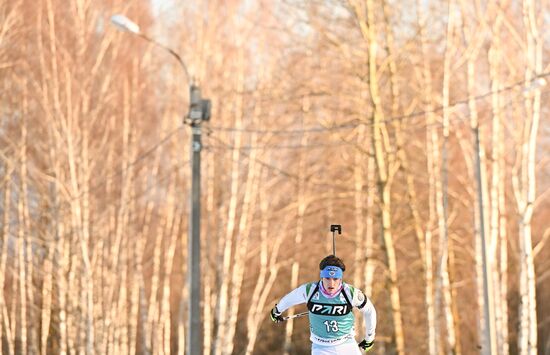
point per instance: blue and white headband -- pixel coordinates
(332, 272)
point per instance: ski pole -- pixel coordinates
(295, 316)
(335, 228)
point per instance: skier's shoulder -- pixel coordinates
(350, 289)
(309, 287)
(357, 296)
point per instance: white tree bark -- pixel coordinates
(497, 191)
(21, 245)
(243, 239)
(437, 213)
(524, 185)
(295, 268)
(222, 307)
(359, 173)
(5, 327)
(385, 168)
(244, 233)
(269, 268)
(444, 243)
(172, 234)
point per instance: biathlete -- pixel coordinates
(330, 302)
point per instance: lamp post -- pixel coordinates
(488, 304)
(199, 111)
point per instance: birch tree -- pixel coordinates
(223, 298)
(437, 213)
(499, 246)
(92, 233)
(269, 267)
(7, 338)
(244, 236)
(385, 165)
(524, 183)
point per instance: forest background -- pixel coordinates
(420, 126)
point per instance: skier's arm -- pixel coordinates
(293, 298)
(366, 307)
(369, 314)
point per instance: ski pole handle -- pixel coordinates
(295, 316)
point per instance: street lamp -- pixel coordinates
(124, 24)
(489, 346)
(199, 111)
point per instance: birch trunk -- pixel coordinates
(503, 253)
(223, 301)
(87, 278)
(21, 245)
(47, 284)
(5, 327)
(401, 154)
(244, 236)
(104, 259)
(141, 315)
(445, 261)
(295, 269)
(117, 274)
(498, 192)
(359, 200)
(83, 335)
(424, 240)
(214, 217)
(451, 314)
(29, 255)
(269, 251)
(146, 305)
(120, 335)
(385, 173)
(359, 12)
(370, 265)
(80, 17)
(125, 287)
(134, 275)
(436, 199)
(524, 185)
(13, 309)
(153, 302)
(72, 289)
(61, 266)
(172, 233)
(50, 87)
(243, 239)
(435, 303)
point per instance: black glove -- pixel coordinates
(276, 315)
(365, 345)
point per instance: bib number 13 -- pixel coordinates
(332, 326)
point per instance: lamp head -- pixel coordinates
(125, 24)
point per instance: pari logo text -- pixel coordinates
(330, 309)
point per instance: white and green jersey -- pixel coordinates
(330, 317)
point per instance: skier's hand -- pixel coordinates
(366, 345)
(276, 315)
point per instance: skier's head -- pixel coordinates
(332, 260)
(332, 270)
